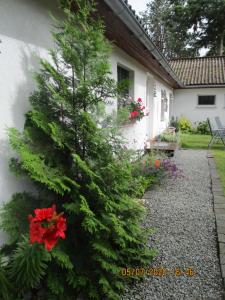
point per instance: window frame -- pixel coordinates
(131, 78)
(164, 105)
(206, 105)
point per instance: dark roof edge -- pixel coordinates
(199, 57)
(125, 12)
(202, 86)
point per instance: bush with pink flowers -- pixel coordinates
(137, 110)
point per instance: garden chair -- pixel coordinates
(219, 123)
(216, 134)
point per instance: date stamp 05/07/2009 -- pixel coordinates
(159, 272)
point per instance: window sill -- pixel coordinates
(206, 106)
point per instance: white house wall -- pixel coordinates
(150, 126)
(25, 34)
(185, 104)
(159, 125)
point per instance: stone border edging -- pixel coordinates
(219, 209)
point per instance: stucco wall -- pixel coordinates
(137, 134)
(159, 125)
(25, 34)
(185, 103)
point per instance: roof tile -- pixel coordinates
(200, 70)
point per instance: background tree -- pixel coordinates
(81, 168)
(180, 28)
(163, 19)
(206, 18)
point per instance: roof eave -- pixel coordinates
(122, 10)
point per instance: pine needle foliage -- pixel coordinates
(82, 168)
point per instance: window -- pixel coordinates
(126, 78)
(207, 100)
(164, 104)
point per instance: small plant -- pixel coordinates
(168, 138)
(159, 166)
(171, 168)
(202, 128)
(185, 125)
(122, 116)
(174, 123)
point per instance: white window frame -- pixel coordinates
(164, 104)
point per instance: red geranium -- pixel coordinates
(136, 110)
(134, 114)
(46, 227)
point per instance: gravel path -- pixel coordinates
(181, 211)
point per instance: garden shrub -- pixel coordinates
(185, 125)
(122, 116)
(78, 169)
(168, 138)
(202, 128)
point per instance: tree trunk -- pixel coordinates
(220, 46)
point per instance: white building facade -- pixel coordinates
(186, 103)
(25, 34)
(155, 95)
(203, 92)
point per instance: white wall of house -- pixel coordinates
(25, 34)
(160, 125)
(144, 84)
(186, 104)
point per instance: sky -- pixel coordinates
(138, 5)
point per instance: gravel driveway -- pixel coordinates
(181, 211)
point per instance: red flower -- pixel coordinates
(43, 214)
(139, 100)
(134, 114)
(157, 163)
(36, 232)
(46, 227)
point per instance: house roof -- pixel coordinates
(200, 71)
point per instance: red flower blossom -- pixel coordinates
(43, 214)
(139, 100)
(134, 114)
(46, 227)
(157, 163)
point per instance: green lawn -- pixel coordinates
(196, 141)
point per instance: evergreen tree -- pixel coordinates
(81, 168)
(163, 19)
(207, 20)
(180, 28)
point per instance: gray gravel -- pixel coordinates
(181, 211)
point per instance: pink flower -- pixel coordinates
(139, 100)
